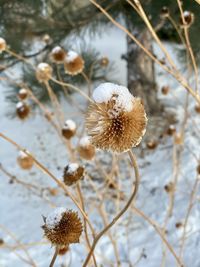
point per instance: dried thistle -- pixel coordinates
(69, 129)
(62, 227)
(2, 45)
(25, 161)
(43, 72)
(73, 63)
(116, 120)
(22, 110)
(85, 149)
(57, 55)
(72, 173)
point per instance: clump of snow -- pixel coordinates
(71, 56)
(54, 218)
(19, 105)
(42, 66)
(70, 125)
(56, 49)
(22, 154)
(85, 141)
(120, 94)
(72, 168)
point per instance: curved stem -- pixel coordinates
(118, 216)
(54, 258)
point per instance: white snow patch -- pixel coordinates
(70, 125)
(19, 105)
(107, 91)
(56, 49)
(42, 66)
(72, 167)
(85, 141)
(71, 56)
(54, 218)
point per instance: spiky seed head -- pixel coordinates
(2, 45)
(188, 19)
(43, 72)
(57, 55)
(72, 173)
(22, 110)
(25, 161)
(104, 61)
(116, 120)
(62, 227)
(73, 63)
(69, 129)
(23, 94)
(164, 12)
(85, 149)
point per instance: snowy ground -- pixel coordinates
(21, 209)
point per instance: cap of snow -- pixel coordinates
(19, 105)
(43, 66)
(70, 125)
(23, 91)
(107, 91)
(56, 49)
(72, 168)
(84, 141)
(54, 217)
(71, 56)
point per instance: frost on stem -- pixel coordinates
(116, 120)
(73, 63)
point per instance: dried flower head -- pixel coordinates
(171, 130)
(22, 94)
(116, 120)
(169, 187)
(188, 19)
(86, 149)
(25, 161)
(152, 144)
(72, 173)
(58, 55)
(47, 39)
(62, 227)
(22, 110)
(43, 72)
(165, 90)
(164, 12)
(73, 63)
(69, 129)
(104, 62)
(2, 45)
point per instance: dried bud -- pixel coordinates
(116, 121)
(25, 161)
(197, 108)
(169, 187)
(178, 224)
(152, 144)
(2, 45)
(47, 39)
(58, 55)
(189, 19)
(178, 139)
(69, 129)
(1, 242)
(72, 173)
(62, 227)
(104, 62)
(22, 94)
(73, 63)
(165, 90)
(86, 149)
(43, 72)
(171, 130)
(164, 12)
(22, 110)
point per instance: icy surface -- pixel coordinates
(70, 124)
(54, 218)
(71, 56)
(107, 91)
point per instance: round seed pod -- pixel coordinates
(178, 139)
(169, 187)
(43, 72)
(197, 108)
(165, 90)
(58, 55)
(22, 94)
(152, 144)
(164, 12)
(189, 19)
(72, 173)
(25, 161)
(104, 61)
(171, 130)
(47, 39)
(62, 227)
(69, 129)
(22, 110)
(85, 149)
(2, 45)
(73, 63)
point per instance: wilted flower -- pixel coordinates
(25, 161)
(73, 63)
(69, 129)
(58, 55)
(72, 173)
(86, 149)
(2, 44)
(62, 227)
(43, 72)
(22, 110)
(116, 120)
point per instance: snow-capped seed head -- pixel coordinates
(62, 227)
(73, 63)
(22, 94)
(47, 39)
(152, 144)
(72, 173)
(25, 161)
(2, 45)
(188, 19)
(85, 149)
(116, 120)
(58, 55)
(164, 12)
(69, 129)
(171, 130)
(104, 61)
(22, 110)
(43, 72)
